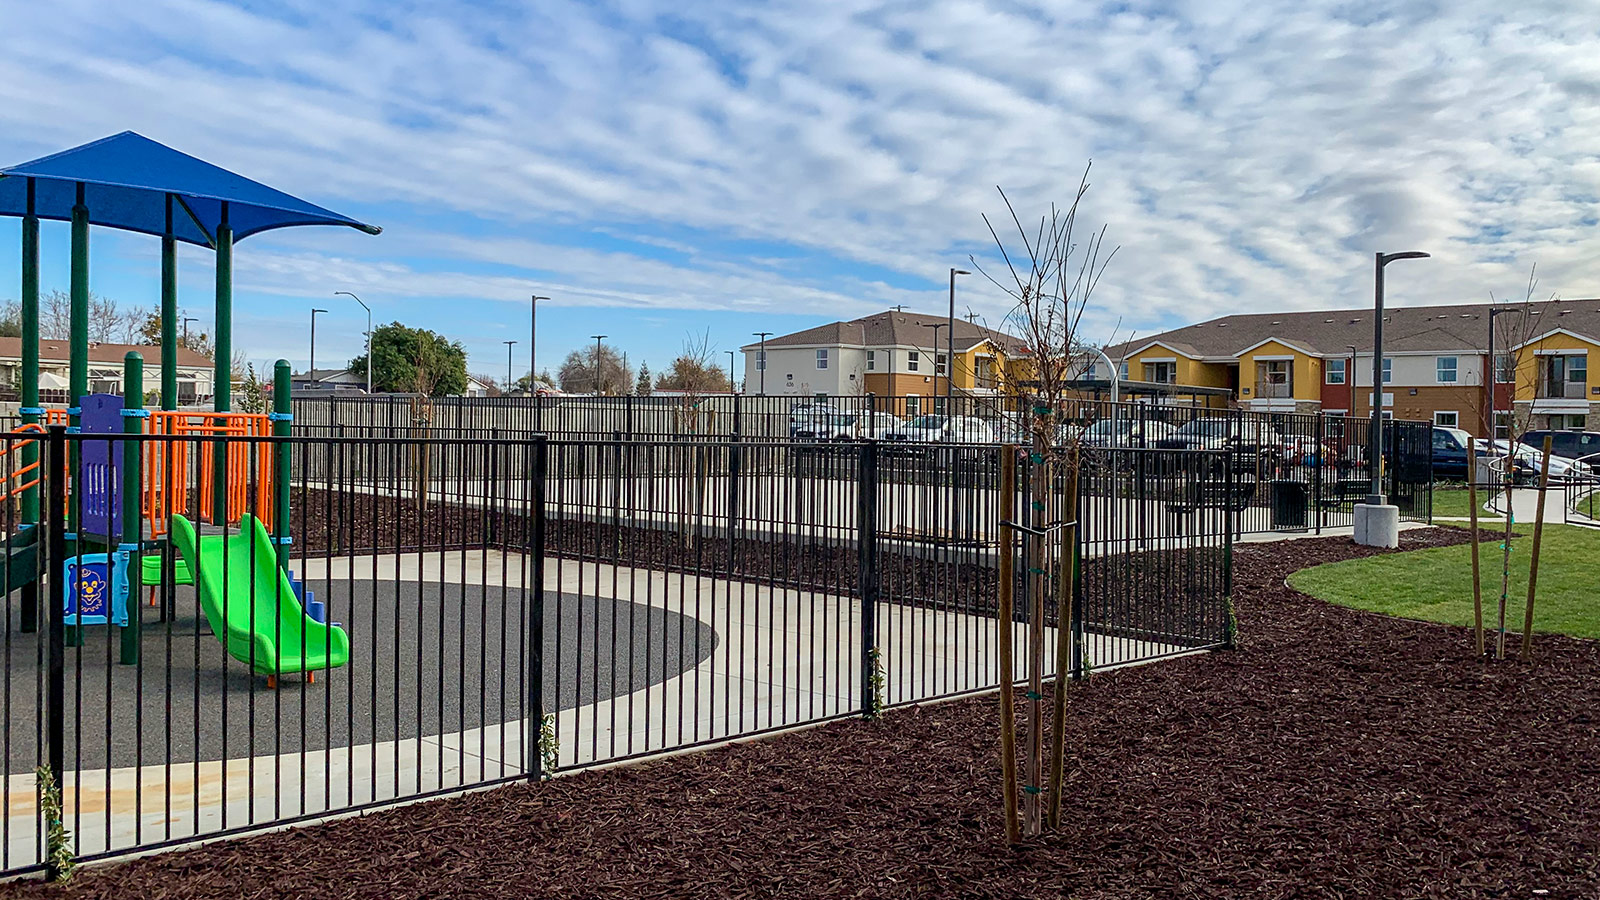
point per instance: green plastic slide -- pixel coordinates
(251, 605)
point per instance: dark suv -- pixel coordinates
(1565, 444)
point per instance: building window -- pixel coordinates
(938, 364)
(1447, 418)
(913, 405)
(1388, 414)
(1388, 370)
(1502, 425)
(1335, 371)
(822, 359)
(1122, 370)
(761, 360)
(872, 360)
(1505, 371)
(1161, 372)
(1444, 368)
(911, 360)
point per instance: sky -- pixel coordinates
(666, 169)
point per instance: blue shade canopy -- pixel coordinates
(127, 178)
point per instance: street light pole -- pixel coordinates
(533, 338)
(950, 356)
(311, 369)
(509, 345)
(762, 359)
(597, 339)
(732, 385)
(947, 360)
(186, 321)
(1493, 377)
(369, 333)
(1375, 435)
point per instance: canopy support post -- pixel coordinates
(283, 409)
(30, 345)
(169, 315)
(222, 345)
(79, 329)
(30, 386)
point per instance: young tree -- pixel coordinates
(641, 386)
(578, 371)
(414, 360)
(148, 332)
(693, 371)
(1050, 274)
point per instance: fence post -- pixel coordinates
(133, 415)
(1229, 635)
(867, 572)
(53, 567)
(1319, 454)
(541, 462)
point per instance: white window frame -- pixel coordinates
(913, 405)
(1454, 418)
(761, 360)
(1454, 370)
(822, 358)
(1508, 373)
(912, 360)
(872, 360)
(1327, 370)
(1388, 370)
(1122, 371)
(938, 364)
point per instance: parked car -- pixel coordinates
(1566, 444)
(873, 426)
(823, 427)
(944, 429)
(1127, 431)
(1252, 439)
(1450, 452)
(1528, 460)
(813, 418)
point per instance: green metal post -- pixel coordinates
(79, 333)
(282, 411)
(222, 342)
(169, 315)
(30, 388)
(30, 346)
(132, 497)
(78, 382)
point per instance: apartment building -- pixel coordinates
(1436, 364)
(891, 353)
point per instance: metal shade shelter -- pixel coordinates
(131, 183)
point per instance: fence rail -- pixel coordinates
(395, 617)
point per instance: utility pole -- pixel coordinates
(533, 346)
(950, 356)
(311, 369)
(509, 345)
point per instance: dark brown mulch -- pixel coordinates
(1337, 754)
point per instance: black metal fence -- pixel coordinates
(350, 622)
(1297, 471)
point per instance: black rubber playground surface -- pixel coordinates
(425, 660)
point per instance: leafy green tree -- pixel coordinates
(414, 360)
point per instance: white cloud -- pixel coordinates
(1247, 155)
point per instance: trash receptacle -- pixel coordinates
(1289, 500)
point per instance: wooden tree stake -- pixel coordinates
(1477, 587)
(1066, 602)
(1005, 614)
(1533, 563)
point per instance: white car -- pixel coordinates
(944, 429)
(873, 426)
(1126, 432)
(1533, 457)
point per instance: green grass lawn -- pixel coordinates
(1436, 585)
(1451, 501)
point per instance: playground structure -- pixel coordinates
(129, 497)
